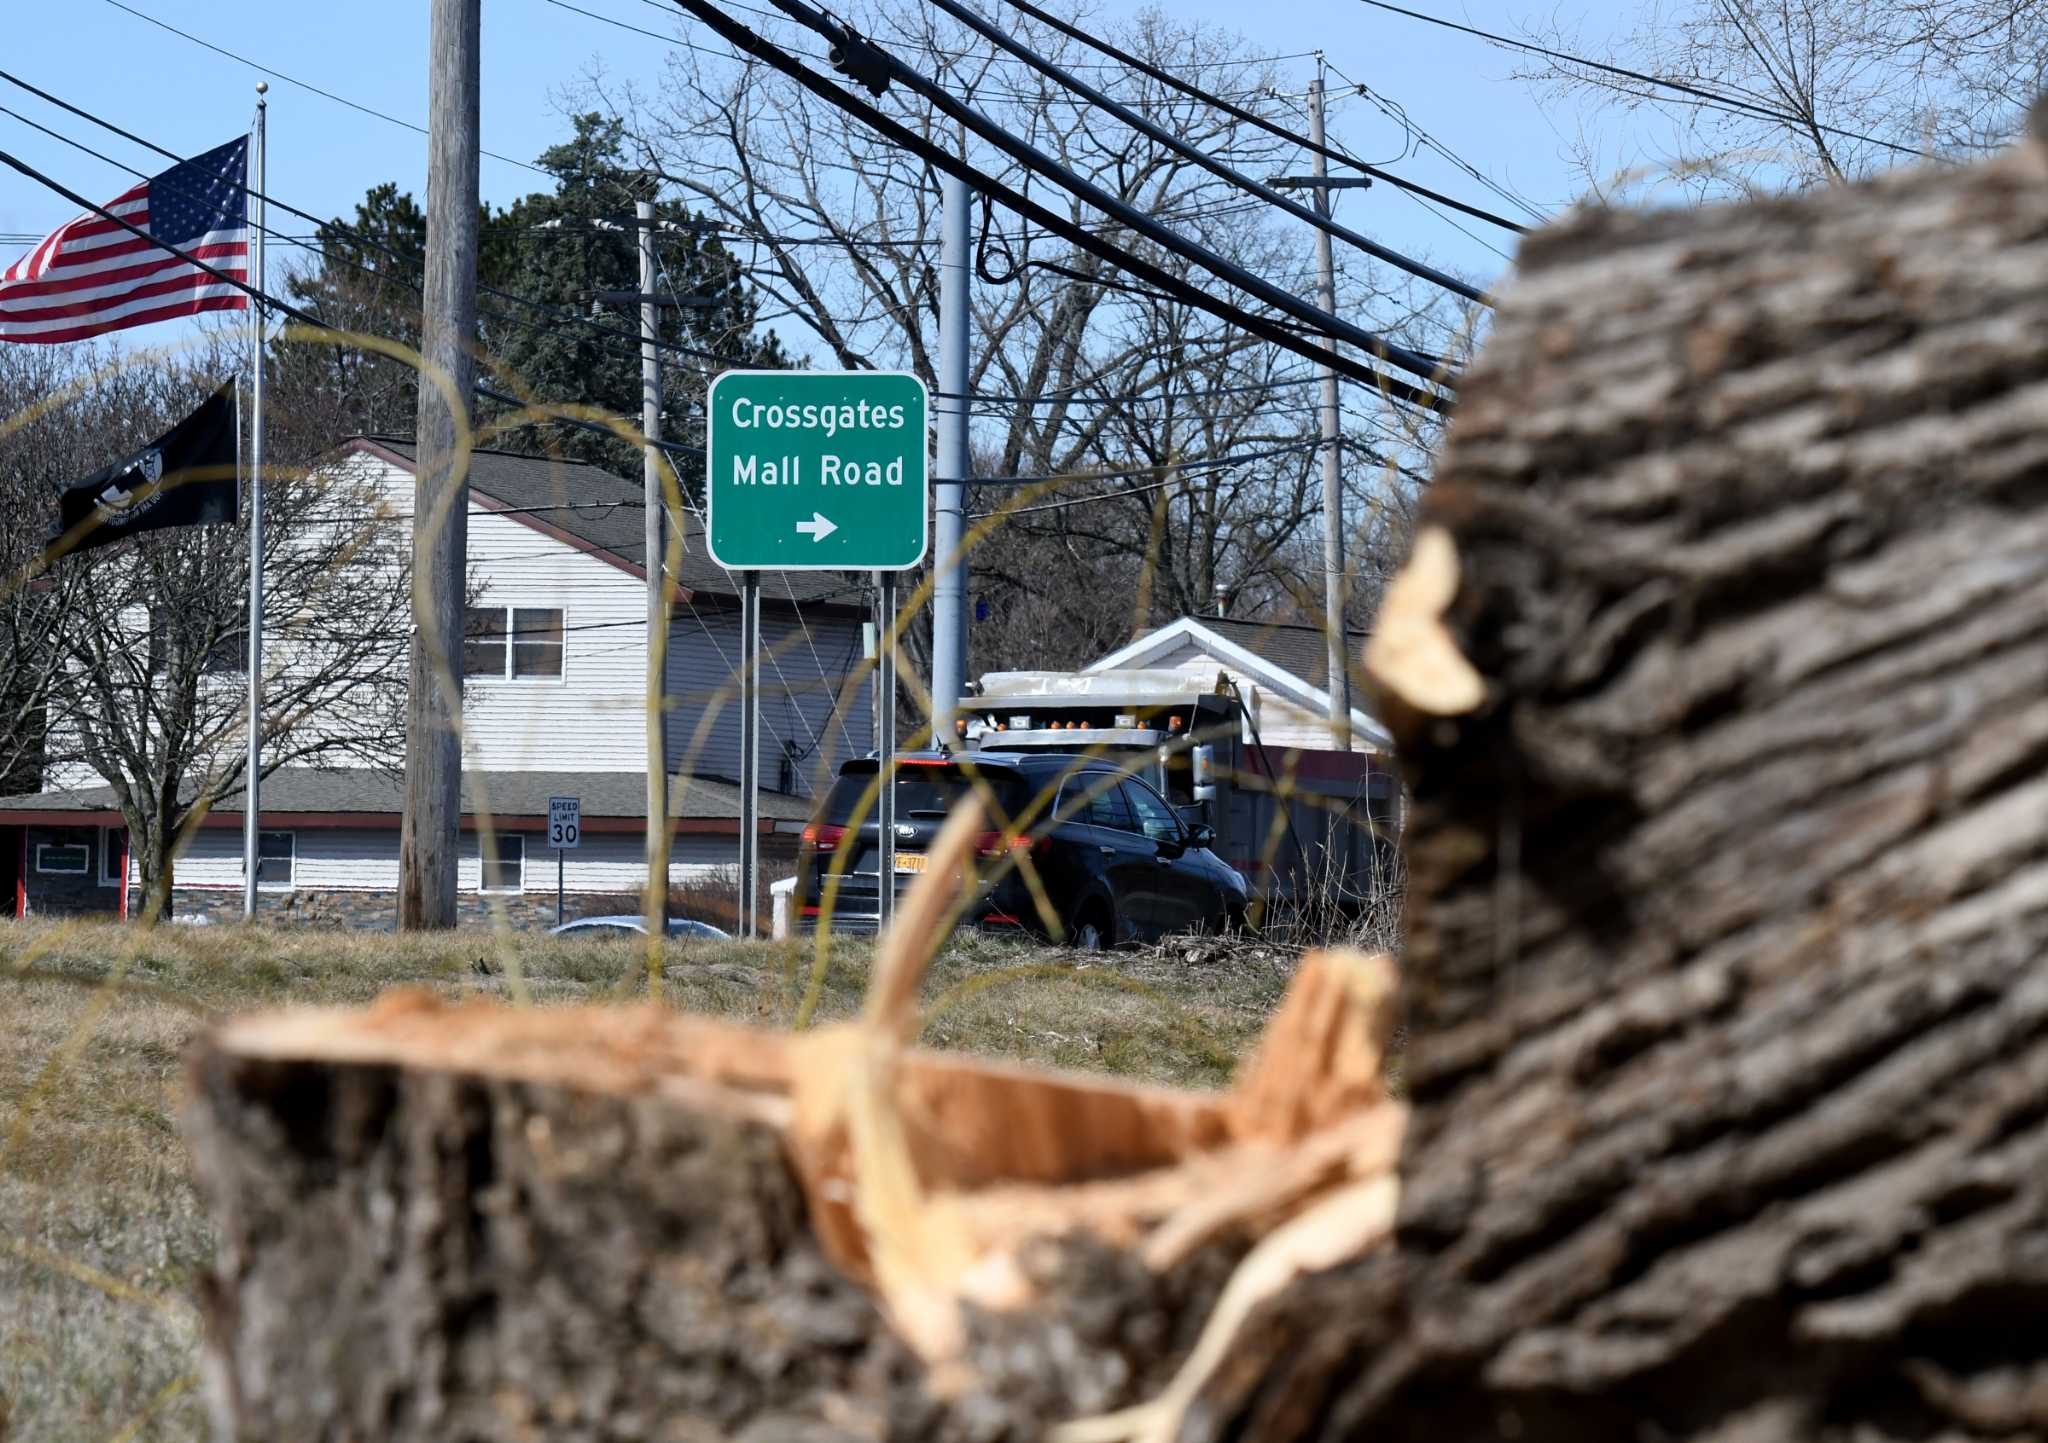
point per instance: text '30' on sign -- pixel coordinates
(817, 471)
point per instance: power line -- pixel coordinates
(1161, 136)
(926, 46)
(302, 84)
(1398, 113)
(546, 307)
(276, 303)
(328, 227)
(1237, 112)
(1204, 464)
(493, 316)
(1783, 117)
(628, 341)
(1041, 164)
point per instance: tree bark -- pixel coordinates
(1729, 1029)
(1721, 678)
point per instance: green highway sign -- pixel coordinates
(816, 471)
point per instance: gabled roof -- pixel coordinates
(595, 511)
(1285, 657)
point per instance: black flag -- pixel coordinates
(185, 477)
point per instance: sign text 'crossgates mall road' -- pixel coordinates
(817, 471)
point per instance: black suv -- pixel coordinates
(1117, 862)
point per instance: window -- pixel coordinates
(483, 641)
(933, 790)
(1155, 818)
(276, 853)
(64, 859)
(1095, 800)
(227, 654)
(113, 848)
(512, 642)
(503, 861)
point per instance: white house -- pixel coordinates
(554, 703)
(1283, 668)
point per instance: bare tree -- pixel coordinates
(1786, 94)
(1079, 371)
(143, 654)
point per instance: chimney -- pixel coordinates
(1222, 601)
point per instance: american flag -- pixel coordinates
(90, 276)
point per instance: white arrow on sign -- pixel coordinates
(818, 527)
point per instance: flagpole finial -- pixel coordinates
(263, 87)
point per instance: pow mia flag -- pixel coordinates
(185, 477)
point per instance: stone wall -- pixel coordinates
(378, 911)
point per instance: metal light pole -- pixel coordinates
(949, 581)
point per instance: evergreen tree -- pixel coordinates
(568, 246)
(560, 248)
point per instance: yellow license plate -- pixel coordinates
(910, 861)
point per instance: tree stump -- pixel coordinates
(1721, 678)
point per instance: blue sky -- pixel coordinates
(324, 155)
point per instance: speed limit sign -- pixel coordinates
(565, 822)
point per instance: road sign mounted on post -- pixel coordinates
(565, 831)
(565, 822)
(817, 471)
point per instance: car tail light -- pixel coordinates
(820, 837)
(995, 844)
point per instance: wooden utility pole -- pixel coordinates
(1335, 631)
(433, 737)
(655, 905)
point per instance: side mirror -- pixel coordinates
(1202, 772)
(1201, 834)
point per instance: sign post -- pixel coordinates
(565, 832)
(885, 752)
(815, 471)
(750, 754)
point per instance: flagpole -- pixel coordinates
(252, 806)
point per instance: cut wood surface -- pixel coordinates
(1721, 684)
(446, 1220)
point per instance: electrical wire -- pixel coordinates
(301, 84)
(557, 312)
(628, 347)
(1783, 117)
(1398, 113)
(670, 447)
(1024, 206)
(276, 303)
(995, 34)
(1237, 112)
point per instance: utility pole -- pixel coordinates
(440, 521)
(656, 906)
(1333, 478)
(949, 582)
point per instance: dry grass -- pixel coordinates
(102, 1237)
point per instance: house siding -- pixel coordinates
(1283, 722)
(354, 859)
(592, 717)
(803, 663)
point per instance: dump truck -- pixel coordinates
(1304, 826)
